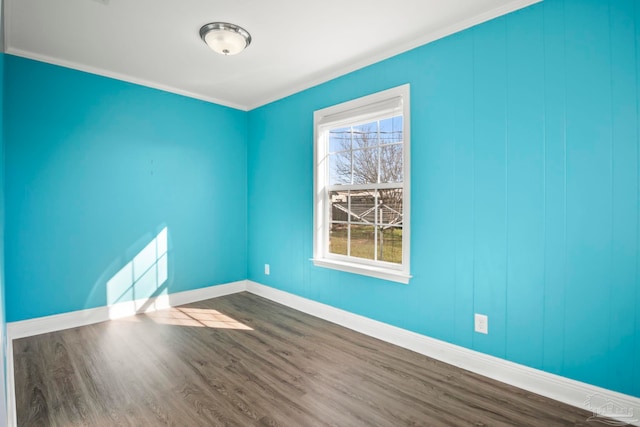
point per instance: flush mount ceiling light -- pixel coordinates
(225, 38)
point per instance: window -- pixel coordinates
(362, 176)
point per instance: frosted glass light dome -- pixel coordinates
(225, 38)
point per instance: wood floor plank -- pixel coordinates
(241, 360)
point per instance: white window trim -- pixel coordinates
(363, 109)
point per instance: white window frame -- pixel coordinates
(357, 111)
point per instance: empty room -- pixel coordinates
(340, 213)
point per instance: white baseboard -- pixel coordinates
(58, 322)
(565, 390)
(571, 392)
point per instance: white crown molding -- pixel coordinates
(571, 392)
(397, 50)
(122, 77)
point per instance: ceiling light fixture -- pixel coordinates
(225, 38)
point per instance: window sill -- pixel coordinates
(365, 270)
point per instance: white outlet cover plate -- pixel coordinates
(481, 323)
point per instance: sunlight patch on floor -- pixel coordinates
(197, 317)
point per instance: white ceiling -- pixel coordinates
(296, 43)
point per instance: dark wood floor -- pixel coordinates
(243, 360)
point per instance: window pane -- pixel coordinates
(339, 205)
(363, 206)
(390, 206)
(362, 241)
(390, 244)
(340, 168)
(365, 135)
(338, 239)
(391, 130)
(365, 166)
(391, 163)
(339, 139)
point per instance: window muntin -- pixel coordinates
(362, 164)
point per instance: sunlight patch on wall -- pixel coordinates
(139, 285)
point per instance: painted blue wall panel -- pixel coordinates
(635, 370)
(3, 324)
(554, 187)
(525, 187)
(589, 197)
(625, 194)
(434, 181)
(298, 227)
(95, 169)
(524, 191)
(463, 169)
(490, 167)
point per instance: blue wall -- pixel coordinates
(524, 191)
(3, 325)
(96, 168)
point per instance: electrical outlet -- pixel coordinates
(267, 270)
(481, 323)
